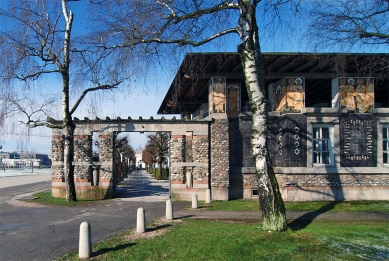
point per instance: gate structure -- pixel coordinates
(197, 161)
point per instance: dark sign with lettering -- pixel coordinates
(358, 141)
(287, 140)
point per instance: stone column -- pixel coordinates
(57, 168)
(219, 157)
(177, 154)
(106, 156)
(82, 158)
(200, 152)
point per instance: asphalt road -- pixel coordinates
(46, 232)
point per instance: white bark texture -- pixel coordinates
(271, 203)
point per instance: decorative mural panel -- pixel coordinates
(356, 94)
(289, 95)
(233, 98)
(217, 95)
(287, 140)
(358, 141)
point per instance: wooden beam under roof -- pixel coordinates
(290, 63)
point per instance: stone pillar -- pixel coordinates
(200, 152)
(106, 156)
(82, 158)
(177, 154)
(57, 168)
(219, 157)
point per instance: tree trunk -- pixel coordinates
(68, 160)
(160, 170)
(67, 117)
(271, 203)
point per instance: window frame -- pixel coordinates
(385, 126)
(331, 147)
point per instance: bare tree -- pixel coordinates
(39, 39)
(157, 149)
(123, 151)
(346, 24)
(152, 25)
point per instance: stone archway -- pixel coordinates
(192, 169)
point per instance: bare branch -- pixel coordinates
(86, 91)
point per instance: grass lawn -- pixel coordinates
(189, 239)
(320, 206)
(45, 198)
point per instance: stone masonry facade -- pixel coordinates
(219, 153)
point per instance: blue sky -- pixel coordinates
(144, 98)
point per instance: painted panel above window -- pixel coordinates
(217, 95)
(355, 94)
(287, 95)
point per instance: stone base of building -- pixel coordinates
(184, 193)
(334, 193)
(84, 191)
(243, 193)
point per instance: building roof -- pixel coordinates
(189, 88)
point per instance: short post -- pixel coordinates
(189, 179)
(96, 176)
(194, 200)
(141, 221)
(85, 241)
(169, 210)
(208, 196)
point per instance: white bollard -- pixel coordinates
(141, 221)
(208, 196)
(194, 200)
(169, 210)
(85, 241)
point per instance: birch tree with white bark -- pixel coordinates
(155, 26)
(44, 48)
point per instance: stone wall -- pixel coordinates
(57, 157)
(82, 157)
(177, 154)
(200, 145)
(106, 157)
(333, 180)
(219, 158)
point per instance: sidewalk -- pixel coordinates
(12, 181)
(290, 215)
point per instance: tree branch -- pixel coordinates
(86, 91)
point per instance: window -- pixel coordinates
(321, 145)
(385, 144)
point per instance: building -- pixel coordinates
(328, 130)
(138, 160)
(17, 160)
(328, 122)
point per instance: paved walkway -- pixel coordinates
(141, 186)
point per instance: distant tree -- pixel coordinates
(148, 155)
(38, 39)
(124, 153)
(157, 149)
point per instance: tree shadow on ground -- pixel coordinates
(151, 229)
(306, 219)
(112, 249)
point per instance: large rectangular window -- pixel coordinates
(321, 145)
(385, 144)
